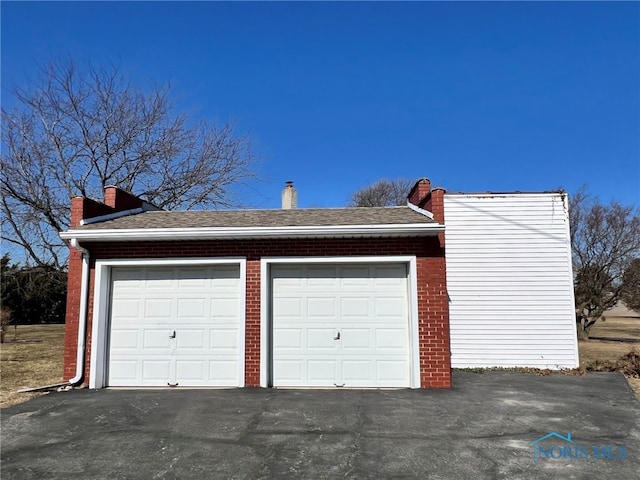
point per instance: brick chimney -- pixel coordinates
(432, 200)
(420, 194)
(289, 197)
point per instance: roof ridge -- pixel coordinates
(292, 210)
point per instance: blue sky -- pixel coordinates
(476, 96)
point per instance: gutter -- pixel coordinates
(203, 233)
(82, 316)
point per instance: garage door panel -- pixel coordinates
(289, 276)
(390, 340)
(321, 372)
(156, 339)
(226, 275)
(388, 275)
(288, 308)
(158, 308)
(172, 324)
(321, 307)
(134, 277)
(192, 277)
(127, 308)
(288, 338)
(190, 339)
(355, 307)
(190, 370)
(355, 339)
(224, 340)
(357, 373)
(125, 339)
(350, 325)
(156, 371)
(192, 309)
(321, 339)
(224, 309)
(126, 370)
(223, 372)
(324, 276)
(392, 371)
(159, 278)
(355, 276)
(289, 371)
(390, 307)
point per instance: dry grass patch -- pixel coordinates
(611, 355)
(616, 327)
(33, 359)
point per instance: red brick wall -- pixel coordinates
(252, 325)
(433, 316)
(437, 208)
(433, 323)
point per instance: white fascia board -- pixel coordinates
(421, 211)
(331, 231)
(110, 216)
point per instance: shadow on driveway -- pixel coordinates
(482, 428)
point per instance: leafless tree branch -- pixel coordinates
(605, 241)
(383, 193)
(76, 131)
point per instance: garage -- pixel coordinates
(314, 297)
(175, 325)
(340, 325)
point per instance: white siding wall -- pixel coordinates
(510, 281)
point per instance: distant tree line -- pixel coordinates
(32, 294)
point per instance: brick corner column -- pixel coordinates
(433, 323)
(252, 325)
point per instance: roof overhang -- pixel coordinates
(233, 233)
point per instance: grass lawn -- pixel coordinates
(33, 359)
(596, 354)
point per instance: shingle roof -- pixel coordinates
(264, 218)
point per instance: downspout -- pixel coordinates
(82, 316)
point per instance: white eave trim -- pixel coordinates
(111, 216)
(421, 211)
(331, 231)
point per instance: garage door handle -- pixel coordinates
(173, 335)
(337, 337)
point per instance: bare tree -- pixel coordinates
(75, 131)
(605, 240)
(383, 193)
(631, 280)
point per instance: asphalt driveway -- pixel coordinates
(482, 428)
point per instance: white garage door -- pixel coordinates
(175, 325)
(340, 325)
